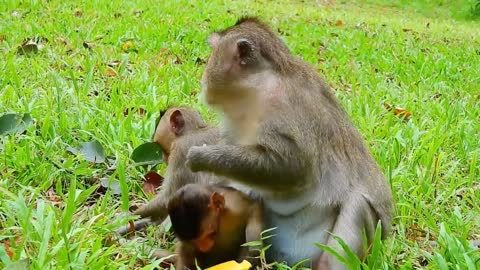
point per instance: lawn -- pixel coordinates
(408, 75)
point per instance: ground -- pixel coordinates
(406, 73)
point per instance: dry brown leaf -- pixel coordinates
(398, 111)
(78, 13)
(152, 181)
(6, 246)
(111, 72)
(403, 113)
(194, 92)
(140, 111)
(339, 23)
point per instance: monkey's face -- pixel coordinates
(164, 136)
(233, 64)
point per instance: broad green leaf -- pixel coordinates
(147, 154)
(91, 151)
(14, 123)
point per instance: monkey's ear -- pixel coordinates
(177, 123)
(217, 201)
(245, 47)
(213, 39)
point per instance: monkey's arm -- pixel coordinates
(266, 166)
(176, 176)
(137, 226)
(155, 210)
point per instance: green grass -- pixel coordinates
(426, 60)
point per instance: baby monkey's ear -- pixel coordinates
(177, 122)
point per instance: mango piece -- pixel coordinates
(231, 265)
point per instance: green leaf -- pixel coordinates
(14, 123)
(147, 154)
(91, 151)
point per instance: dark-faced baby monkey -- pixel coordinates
(179, 128)
(212, 223)
(288, 138)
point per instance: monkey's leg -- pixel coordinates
(355, 218)
(253, 232)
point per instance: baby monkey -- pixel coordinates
(212, 222)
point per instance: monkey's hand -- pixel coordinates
(197, 158)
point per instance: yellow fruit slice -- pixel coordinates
(231, 265)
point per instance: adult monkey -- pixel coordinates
(290, 140)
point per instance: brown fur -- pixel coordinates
(241, 221)
(195, 133)
(307, 160)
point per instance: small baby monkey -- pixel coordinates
(212, 222)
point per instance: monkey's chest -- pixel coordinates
(297, 232)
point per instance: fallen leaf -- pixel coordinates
(78, 13)
(88, 45)
(403, 113)
(112, 185)
(167, 57)
(339, 23)
(148, 153)
(194, 92)
(140, 111)
(114, 63)
(398, 111)
(6, 246)
(31, 45)
(91, 151)
(14, 123)
(129, 46)
(152, 181)
(111, 72)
